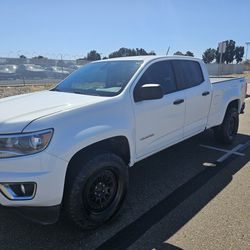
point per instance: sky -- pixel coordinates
(72, 28)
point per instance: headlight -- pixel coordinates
(24, 144)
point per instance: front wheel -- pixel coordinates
(96, 192)
(226, 132)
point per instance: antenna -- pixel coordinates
(168, 50)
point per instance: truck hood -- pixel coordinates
(18, 111)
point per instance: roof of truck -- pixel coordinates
(150, 58)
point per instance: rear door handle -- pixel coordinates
(205, 93)
(178, 101)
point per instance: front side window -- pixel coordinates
(107, 78)
(188, 73)
(159, 73)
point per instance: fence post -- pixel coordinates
(23, 80)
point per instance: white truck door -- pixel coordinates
(198, 94)
(159, 123)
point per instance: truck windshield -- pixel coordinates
(107, 78)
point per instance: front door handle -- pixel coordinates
(205, 93)
(178, 101)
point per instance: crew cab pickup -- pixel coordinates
(71, 146)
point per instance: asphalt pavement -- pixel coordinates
(178, 199)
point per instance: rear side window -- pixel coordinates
(188, 73)
(160, 73)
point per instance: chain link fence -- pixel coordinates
(25, 71)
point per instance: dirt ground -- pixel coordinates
(18, 90)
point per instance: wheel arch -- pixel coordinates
(235, 104)
(118, 145)
(216, 118)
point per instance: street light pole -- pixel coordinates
(61, 56)
(222, 49)
(247, 43)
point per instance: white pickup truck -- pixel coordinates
(71, 146)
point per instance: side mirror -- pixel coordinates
(148, 92)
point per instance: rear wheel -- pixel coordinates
(226, 132)
(96, 191)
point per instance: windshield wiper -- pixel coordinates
(55, 89)
(78, 92)
(86, 92)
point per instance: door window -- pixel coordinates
(159, 73)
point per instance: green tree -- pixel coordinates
(93, 55)
(230, 51)
(209, 55)
(141, 52)
(22, 57)
(40, 57)
(81, 61)
(189, 53)
(178, 53)
(239, 53)
(152, 53)
(130, 52)
(115, 54)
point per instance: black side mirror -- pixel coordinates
(148, 92)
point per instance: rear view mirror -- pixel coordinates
(148, 92)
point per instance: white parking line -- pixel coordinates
(239, 147)
(228, 152)
(246, 145)
(225, 156)
(222, 150)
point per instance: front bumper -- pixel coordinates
(44, 169)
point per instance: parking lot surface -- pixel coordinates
(179, 198)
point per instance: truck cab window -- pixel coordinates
(188, 73)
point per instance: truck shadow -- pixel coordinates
(219, 176)
(158, 186)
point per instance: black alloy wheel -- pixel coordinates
(95, 189)
(100, 191)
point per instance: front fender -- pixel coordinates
(83, 126)
(92, 135)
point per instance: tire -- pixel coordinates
(227, 131)
(95, 192)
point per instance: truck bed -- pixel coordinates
(217, 79)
